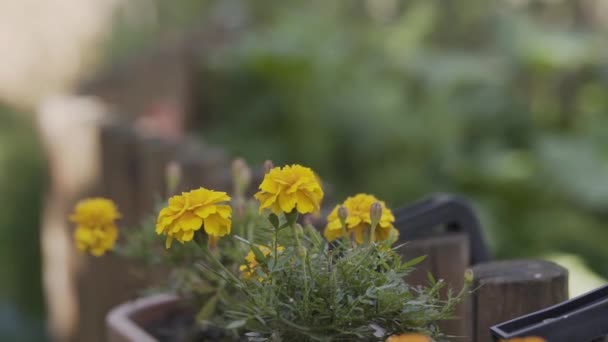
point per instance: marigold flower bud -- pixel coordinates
(468, 276)
(299, 231)
(173, 174)
(342, 214)
(241, 175)
(375, 212)
(268, 165)
(302, 252)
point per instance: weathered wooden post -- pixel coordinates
(447, 258)
(153, 155)
(107, 281)
(203, 166)
(509, 289)
(450, 250)
(133, 169)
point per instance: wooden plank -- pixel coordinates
(448, 257)
(110, 280)
(153, 154)
(509, 289)
(203, 166)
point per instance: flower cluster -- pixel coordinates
(289, 187)
(290, 279)
(188, 212)
(96, 230)
(359, 220)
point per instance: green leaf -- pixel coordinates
(274, 220)
(291, 217)
(208, 310)
(236, 324)
(259, 256)
(415, 261)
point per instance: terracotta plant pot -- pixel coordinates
(125, 322)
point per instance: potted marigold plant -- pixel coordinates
(255, 270)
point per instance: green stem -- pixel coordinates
(301, 252)
(203, 246)
(373, 232)
(275, 247)
(345, 235)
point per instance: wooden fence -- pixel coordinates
(133, 173)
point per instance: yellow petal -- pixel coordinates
(332, 234)
(360, 232)
(305, 205)
(224, 210)
(409, 338)
(99, 251)
(187, 236)
(205, 211)
(381, 233)
(217, 226)
(295, 186)
(353, 220)
(287, 202)
(177, 203)
(189, 221)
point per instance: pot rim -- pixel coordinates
(123, 319)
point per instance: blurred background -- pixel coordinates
(505, 102)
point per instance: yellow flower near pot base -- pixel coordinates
(187, 213)
(359, 219)
(409, 338)
(251, 263)
(288, 188)
(96, 230)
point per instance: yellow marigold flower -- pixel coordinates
(188, 212)
(409, 338)
(289, 187)
(359, 220)
(525, 339)
(96, 230)
(248, 269)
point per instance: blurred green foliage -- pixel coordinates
(22, 179)
(505, 105)
(502, 101)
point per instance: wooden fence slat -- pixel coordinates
(105, 282)
(508, 289)
(120, 169)
(133, 173)
(447, 258)
(203, 166)
(153, 155)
